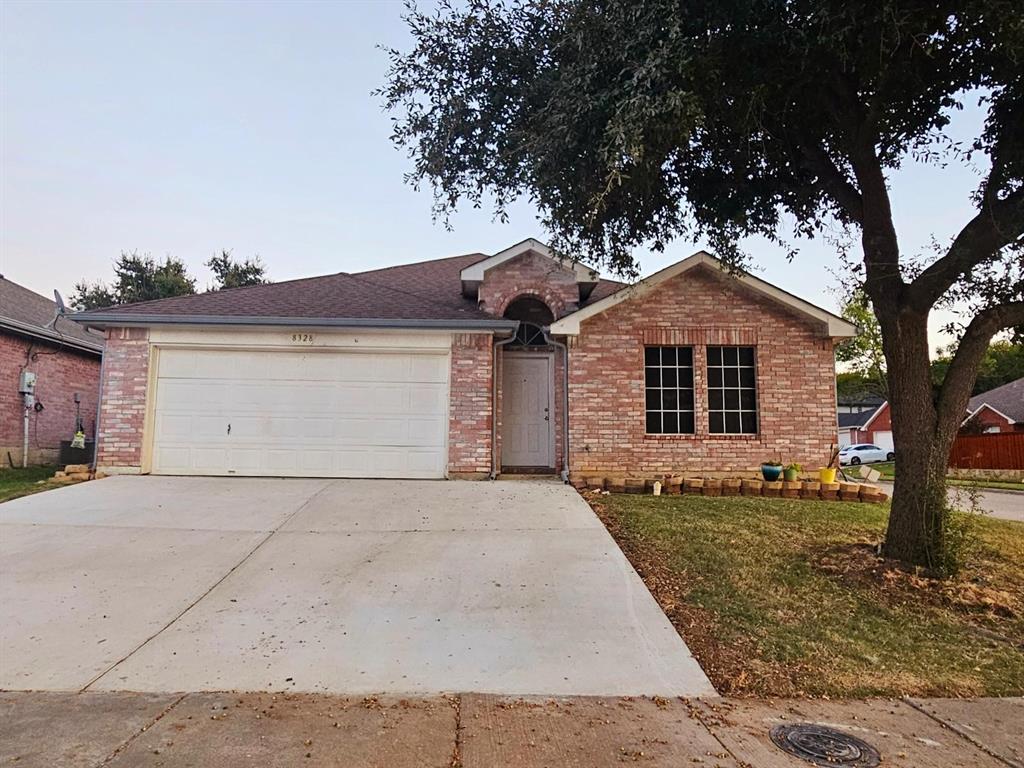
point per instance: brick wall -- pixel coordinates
(469, 426)
(795, 380)
(986, 419)
(529, 275)
(60, 373)
(125, 377)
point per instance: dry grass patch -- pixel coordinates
(788, 598)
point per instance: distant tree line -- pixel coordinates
(140, 277)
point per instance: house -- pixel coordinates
(468, 367)
(64, 359)
(867, 427)
(858, 403)
(998, 410)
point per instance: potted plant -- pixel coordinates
(827, 474)
(791, 473)
(770, 470)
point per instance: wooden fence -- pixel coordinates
(1003, 450)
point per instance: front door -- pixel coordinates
(527, 438)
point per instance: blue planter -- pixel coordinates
(770, 472)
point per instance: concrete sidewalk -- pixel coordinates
(480, 731)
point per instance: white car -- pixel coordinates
(864, 453)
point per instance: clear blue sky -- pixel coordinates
(184, 128)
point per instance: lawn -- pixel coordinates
(787, 598)
(888, 470)
(15, 482)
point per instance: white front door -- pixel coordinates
(527, 438)
(315, 413)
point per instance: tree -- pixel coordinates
(864, 352)
(136, 278)
(229, 273)
(1003, 362)
(633, 123)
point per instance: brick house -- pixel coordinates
(870, 426)
(471, 366)
(65, 359)
(998, 410)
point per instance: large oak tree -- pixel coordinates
(636, 122)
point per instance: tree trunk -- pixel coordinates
(923, 438)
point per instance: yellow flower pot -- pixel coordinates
(827, 474)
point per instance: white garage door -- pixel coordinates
(883, 440)
(301, 414)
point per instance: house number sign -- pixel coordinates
(302, 338)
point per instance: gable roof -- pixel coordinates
(855, 420)
(832, 325)
(1007, 401)
(28, 314)
(476, 271)
(425, 294)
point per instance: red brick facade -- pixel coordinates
(987, 420)
(795, 381)
(529, 275)
(123, 413)
(607, 427)
(470, 417)
(60, 373)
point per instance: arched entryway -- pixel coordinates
(527, 390)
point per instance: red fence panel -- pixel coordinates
(994, 451)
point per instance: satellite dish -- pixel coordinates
(61, 309)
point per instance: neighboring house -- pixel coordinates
(867, 427)
(998, 410)
(65, 359)
(457, 368)
(858, 404)
(850, 425)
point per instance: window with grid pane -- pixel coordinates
(732, 391)
(668, 374)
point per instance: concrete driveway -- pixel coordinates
(345, 586)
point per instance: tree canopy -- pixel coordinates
(229, 273)
(136, 278)
(142, 278)
(633, 124)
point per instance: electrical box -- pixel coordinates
(27, 383)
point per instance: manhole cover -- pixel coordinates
(824, 746)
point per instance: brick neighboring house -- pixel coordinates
(998, 410)
(870, 426)
(64, 356)
(469, 367)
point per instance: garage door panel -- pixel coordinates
(328, 414)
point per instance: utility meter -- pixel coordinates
(27, 383)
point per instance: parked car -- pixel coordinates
(864, 453)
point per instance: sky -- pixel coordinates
(186, 128)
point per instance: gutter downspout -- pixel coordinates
(565, 405)
(99, 403)
(494, 399)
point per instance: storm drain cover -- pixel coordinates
(824, 746)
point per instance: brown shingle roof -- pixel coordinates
(425, 290)
(1007, 399)
(24, 311)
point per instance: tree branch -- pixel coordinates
(963, 369)
(883, 281)
(833, 181)
(999, 223)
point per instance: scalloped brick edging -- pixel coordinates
(738, 486)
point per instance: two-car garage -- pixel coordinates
(308, 412)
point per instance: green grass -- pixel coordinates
(15, 482)
(786, 598)
(888, 470)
